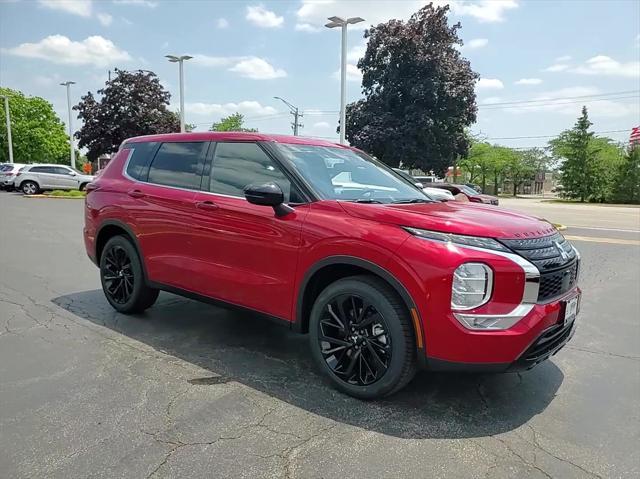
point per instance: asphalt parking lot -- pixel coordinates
(190, 390)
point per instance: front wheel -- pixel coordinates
(122, 277)
(362, 338)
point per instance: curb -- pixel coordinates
(559, 227)
(54, 197)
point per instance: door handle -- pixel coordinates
(206, 205)
(136, 193)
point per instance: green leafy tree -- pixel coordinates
(131, 104)
(37, 133)
(233, 122)
(575, 147)
(419, 93)
(520, 167)
(480, 162)
(626, 184)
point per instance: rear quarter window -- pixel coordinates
(141, 155)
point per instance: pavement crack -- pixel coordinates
(603, 353)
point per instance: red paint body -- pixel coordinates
(244, 254)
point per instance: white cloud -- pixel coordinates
(566, 101)
(356, 53)
(563, 59)
(222, 23)
(75, 7)
(321, 125)
(217, 110)
(491, 100)
(140, 3)
(557, 67)
(490, 84)
(307, 27)
(353, 73)
(105, 19)
(95, 50)
(260, 16)
(529, 81)
(604, 65)
(252, 67)
(477, 43)
(257, 69)
(485, 10)
(316, 12)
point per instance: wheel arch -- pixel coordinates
(110, 228)
(332, 268)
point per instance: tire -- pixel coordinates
(30, 187)
(82, 187)
(388, 331)
(122, 277)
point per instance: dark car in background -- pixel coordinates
(463, 192)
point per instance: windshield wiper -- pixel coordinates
(414, 200)
(365, 200)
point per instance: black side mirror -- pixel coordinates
(268, 194)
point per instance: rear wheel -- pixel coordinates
(82, 186)
(30, 188)
(362, 338)
(122, 277)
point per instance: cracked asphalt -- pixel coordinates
(190, 390)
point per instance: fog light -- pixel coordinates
(472, 285)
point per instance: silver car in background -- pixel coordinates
(33, 179)
(435, 193)
(8, 172)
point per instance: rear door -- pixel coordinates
(243, 253)
(44, 175)
(162, 206)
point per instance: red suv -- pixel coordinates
(331, 242)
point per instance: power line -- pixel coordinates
(549, 136)
(627, 92)
(552, 103)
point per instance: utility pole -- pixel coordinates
(342, 23)
(180, 61)
(296, 115)
(73, 151)
(8, 118)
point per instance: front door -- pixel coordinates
(244, 253)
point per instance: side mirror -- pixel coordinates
(72, 173)
(268, 194)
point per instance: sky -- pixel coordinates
(539, 61)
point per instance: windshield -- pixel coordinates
(341, 174)
(467, 190)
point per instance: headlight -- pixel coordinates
(475, 241)
(471, 287)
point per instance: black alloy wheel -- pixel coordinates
(122, 277)
(118, 274)
(362, 337)
(354, 340)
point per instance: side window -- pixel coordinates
(178, 164)
(37, 169)
(58, 170)
(237, 165)
(140, 157)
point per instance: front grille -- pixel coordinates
(556, 260)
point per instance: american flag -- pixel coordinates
(635, 136)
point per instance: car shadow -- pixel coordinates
(267, 357)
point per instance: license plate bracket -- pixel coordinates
(570, 310)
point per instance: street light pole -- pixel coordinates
(180, 61)
(8, 118)
(342, 23)
(295, 112)
(73, 151)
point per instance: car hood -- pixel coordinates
(455, 217)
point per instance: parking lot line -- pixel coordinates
(593, 239)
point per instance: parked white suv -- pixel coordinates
(8, 172)
(33, 179)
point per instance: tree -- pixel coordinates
(521, 167)
(480, 162)
(37, 133)
(419, 93)
(626, 184)
(131, 104)
(231, 123)
(589, 163)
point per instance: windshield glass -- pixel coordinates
(340, 174)
(468, 191)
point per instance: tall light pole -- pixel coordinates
(295, 112)
(73, 151)
(8, 118)
(342, 23)
(180, 60)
